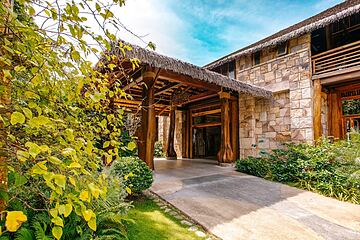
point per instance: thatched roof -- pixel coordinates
(156, 60)
(320, 20)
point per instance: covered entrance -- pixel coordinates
(163, 86)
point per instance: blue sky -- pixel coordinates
(200, 31)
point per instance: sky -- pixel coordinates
(201, 31)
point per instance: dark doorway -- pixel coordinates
(207, 142)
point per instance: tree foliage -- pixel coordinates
(61, 126)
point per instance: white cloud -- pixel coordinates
(157, 23)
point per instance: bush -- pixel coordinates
(136, 174)
(159, 152)
(254, 166)
(330, 169)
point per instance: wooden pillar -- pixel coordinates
(225, 154)
(334, 115)
(191, 135)
(170, 150)
(317, 110)
(235, 128)
(147, 135)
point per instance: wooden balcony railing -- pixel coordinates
(341, 58)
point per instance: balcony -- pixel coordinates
(341, 60)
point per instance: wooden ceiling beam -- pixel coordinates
(185, 80)
(167, 88)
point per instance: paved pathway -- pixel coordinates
(233, 205)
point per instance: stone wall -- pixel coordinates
(163, 132)
(265, 124)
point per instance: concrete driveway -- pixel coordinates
(233, 205)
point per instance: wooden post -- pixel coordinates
(334, 115)
(225, 154)
(235, 128)
(170, 150)
(317, 110)
(148, 124)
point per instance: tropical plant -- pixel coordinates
(331, 169)
(158, 151)
(58, 123)
(136, 174)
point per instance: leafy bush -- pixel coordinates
(330, 169)
(159, 152)
(136, 174)
(255, 166)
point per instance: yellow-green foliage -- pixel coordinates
(61, 127)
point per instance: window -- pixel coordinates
(228, 69)
(232, 69)
(256, 57)
(282, 49)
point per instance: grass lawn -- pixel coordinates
(151, 222)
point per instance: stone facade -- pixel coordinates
(163, 132)
(265, 124)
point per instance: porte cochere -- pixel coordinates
(208, 101)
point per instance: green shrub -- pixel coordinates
(255, 166)
(330, 169)
(159, 152)
(136, 174)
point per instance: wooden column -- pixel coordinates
(170, 150)
(334, 115)
(147, 135)
(235, 128)
(225, 154)
(317, 110)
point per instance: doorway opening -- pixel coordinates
(207, 141)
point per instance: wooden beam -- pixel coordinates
(170, 150)
(225, 154)
(317, 110)
(167, 88)
(166, 75)
(203, 125)
(214, 111)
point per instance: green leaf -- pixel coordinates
(69, 134)
(22, 155)
(57, 232)
(55, 160)
(17, 117)
(98, 8)
(92, 224)
(131, 146)
(34, 149)
(27, 113)
(36, 80)
(60, 180)
(68, 152)
(58, 221)
(106, 144)
(68, 210)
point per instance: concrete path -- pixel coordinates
(233, 205)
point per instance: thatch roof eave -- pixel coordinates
(160, 61)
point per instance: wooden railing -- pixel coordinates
(341, 58)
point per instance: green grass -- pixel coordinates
(151, 222)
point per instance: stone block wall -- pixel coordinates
(265, 124)
(163, 132)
